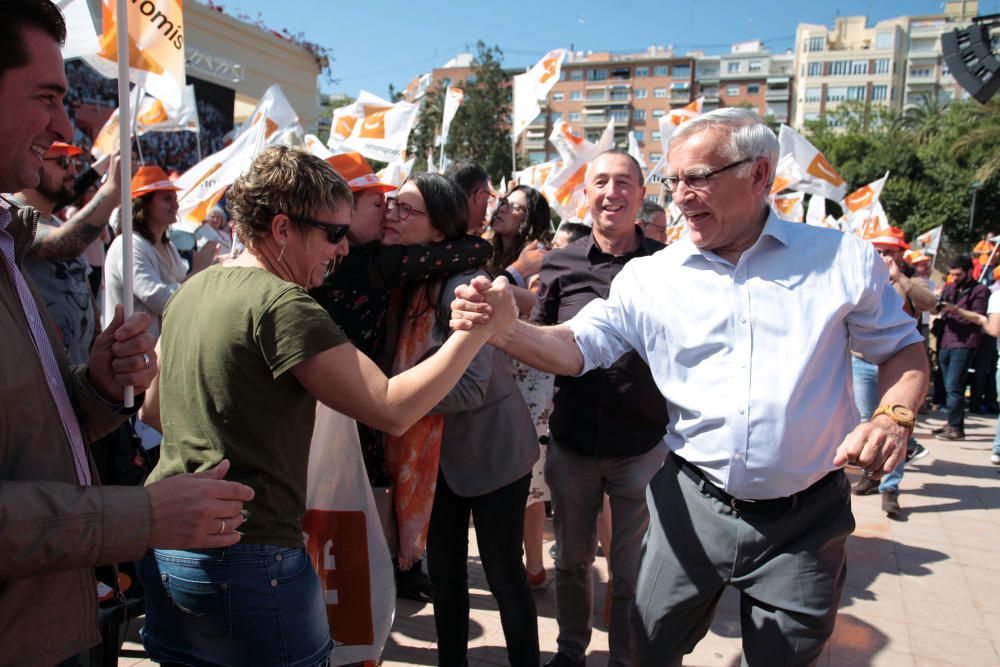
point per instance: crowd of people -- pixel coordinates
(493, 365)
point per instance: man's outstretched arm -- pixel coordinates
(552, 349)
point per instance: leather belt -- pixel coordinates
(770, 505)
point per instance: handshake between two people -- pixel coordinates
(485, 304)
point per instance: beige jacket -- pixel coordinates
(52, 530)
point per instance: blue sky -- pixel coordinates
(378, 43)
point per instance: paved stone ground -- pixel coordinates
(921, 590)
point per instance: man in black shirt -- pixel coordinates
(607, 426)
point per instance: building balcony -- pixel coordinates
(607, 101)
(778, 95)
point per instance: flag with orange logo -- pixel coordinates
(789, 206)
(380, 129)
(861, 207)
(537, 175)
(929, 241)
(674, 118)
(815, 174)
(202, 186)
(153, 115)
(155, 46)
(396, 172)
(569, 180)
(345, 541)
(566, 142)
(453, 99)
(868, 222)
(533, 86)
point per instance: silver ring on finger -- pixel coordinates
(145, 360)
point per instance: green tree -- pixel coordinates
(924, 119)
(427, 127)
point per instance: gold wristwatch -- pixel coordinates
(900, 414)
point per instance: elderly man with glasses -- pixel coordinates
(748, 335)
(653, 220)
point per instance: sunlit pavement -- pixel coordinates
(923, 589)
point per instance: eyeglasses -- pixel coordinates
(405, 210)
(513, 207)
(334, 233)
(699, 181)
(64, 161)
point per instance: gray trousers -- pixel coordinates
(578, 484)
(788, 566)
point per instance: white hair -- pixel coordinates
(749, 137)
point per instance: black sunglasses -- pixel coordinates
(334, 233)
(64, 161)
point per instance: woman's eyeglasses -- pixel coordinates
(511, 206)
(334, 233)
(405, 210)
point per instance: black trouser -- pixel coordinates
(499, 522)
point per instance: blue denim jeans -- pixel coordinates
(248, 604)
(866, 397)
(954, 364)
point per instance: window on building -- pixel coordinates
(574, 116)
(732, 90)
(710, 91)
(882, 66)
(655, 157)
(640, 93)
(733, 67)
(856, 92)
(619, 94)
(597, 74)
(923, 45)
(638, 114)
(536, 157)
(816, 44)
(884, 40)
(640, 135)
(599, 94)
(661, 70)
(575, 95)
(754, 66)
(815, 69)
(682, 71)
(840, 67)
(813, 94)
(753, 89)
(810, 115)
(836, 93)
(656, 136)
(619, 115)
(556, 116)
(945, 71)
(704, 71)
(659, 93)
(558, 97)
(859, 67)
(641, 71)
(878, 93)
(658, 113)
(920, 72)
(576, 75)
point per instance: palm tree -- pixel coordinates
(983, 130)
(923, 119)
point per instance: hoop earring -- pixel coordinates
(282, 253)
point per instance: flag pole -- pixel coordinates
(513, 130)
(125, 157)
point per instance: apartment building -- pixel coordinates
(453, 72)
(926, 71)
(748, 76)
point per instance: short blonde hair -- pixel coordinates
(283, 180)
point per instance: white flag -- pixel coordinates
(633, 150)
(674, 118)
(864, 198)
(816, 175)
(345, 542)
(81, 36)
(789, 206)
(316, 147)
(570, 179)
(431, 167)
(274, 110)
(382, 129)
(929, 241)
(532, 86)
(566, 142)
(453, 99)
(396, 172)
(154, 115)
(537, 175)
(816, 212)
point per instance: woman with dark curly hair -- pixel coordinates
(522, 217)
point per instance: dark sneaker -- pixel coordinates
(940, 429)
(950, 434)
(890, 503)
(865, 486)
(413, 584)
(563, 660)
(918, 451)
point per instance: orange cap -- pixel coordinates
(357, 172)
(151, 179)
(915, 257)
(892, 236)
(58, 149)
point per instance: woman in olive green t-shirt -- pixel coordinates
(245, 353)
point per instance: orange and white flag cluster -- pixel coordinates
(929, 241)
(863, 212)
(154, 115)
(532, 87)
(565, 187)
(802, 167)
(789, 206)
(155, 47)
(374, 127)
(674, 118)
(453, 99)
(203, 185)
